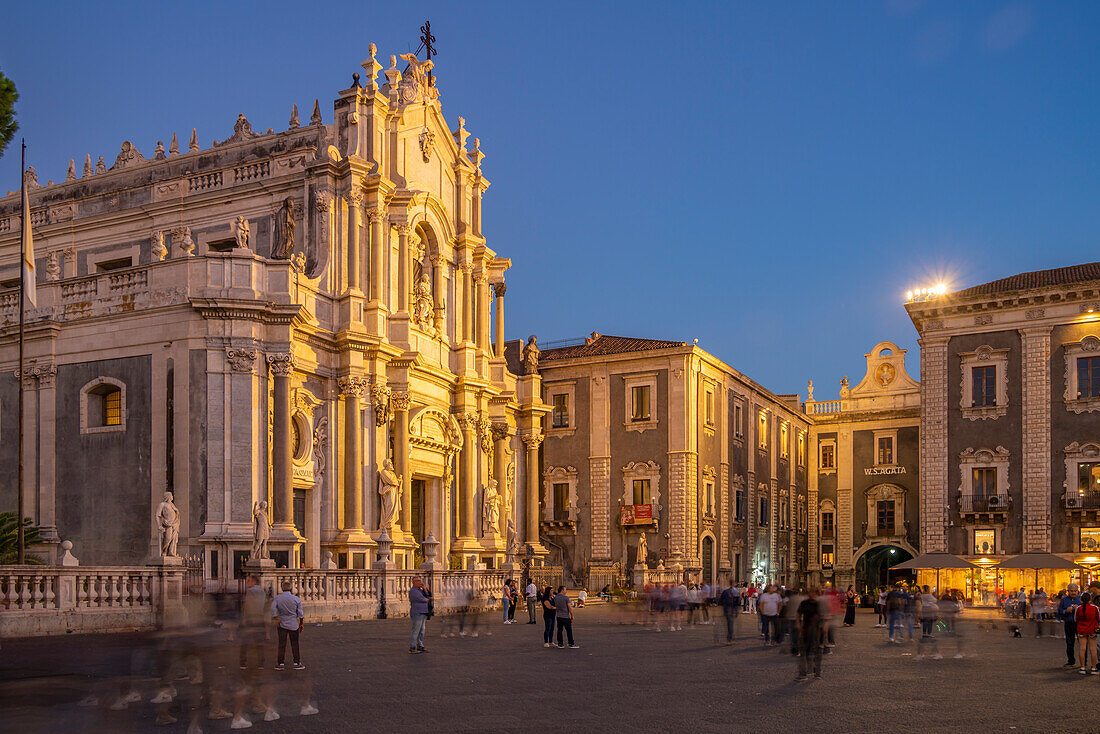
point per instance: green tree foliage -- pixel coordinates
(9, 540)
(8, 125)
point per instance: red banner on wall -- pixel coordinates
(636, 515)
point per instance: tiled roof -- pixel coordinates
(604, 344)
(1036, 279)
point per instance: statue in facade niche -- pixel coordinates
(283, 243)
(512, 544)
(531, 356)
(241, 231)
(261, 530)
(491, 507)
(168, 522)
(389, 491)
(643, 551)
(422, 305)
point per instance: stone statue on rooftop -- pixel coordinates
(283, 243)
(531, 356)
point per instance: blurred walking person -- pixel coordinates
(254, 631)
(731, 607)
(809, 636)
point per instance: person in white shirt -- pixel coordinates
(532, 595)
(769, 604)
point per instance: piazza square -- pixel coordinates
(272, 456)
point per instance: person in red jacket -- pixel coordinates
(1087, 616)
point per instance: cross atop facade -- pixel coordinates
(426, 41)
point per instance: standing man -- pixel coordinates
(286, 609)
(731, 606)
(1066, 608)
(420, 610)
(532, 595)
(769, 604)
(809, 635)
(563, 614)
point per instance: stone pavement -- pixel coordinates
(624, 677)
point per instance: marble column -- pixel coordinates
(401, 402)
(533, 441)
(377, 252)
(502, 432)
(352, 388)
(355, 209)
(467, 303)
(437, 291)
(403, 287)
(482, 291)
(467, 519)
(499, 289)
(283, 490)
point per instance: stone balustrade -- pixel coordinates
(49, 600)
(824, 407)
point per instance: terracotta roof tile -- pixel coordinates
(605, 344)
(1070, 275)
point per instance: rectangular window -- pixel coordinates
(985, 386)
(826, 555)
(885, 450)
(802, 448)
(739, 505)
(708, 407)
(763, 519)
(1088, 478)
(885, 516)
(561, 410)
(641, 491)
(762, 430)
(783, 517)
(828, 456)
(639, 395)
(784, 432)
(112, 408)
(708, 497)
(1088, 377)
(828, 524)
(985, 542)
(561, 501)
(984, 483)
(1090, 540)
(737, 417)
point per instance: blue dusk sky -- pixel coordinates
(769, 178)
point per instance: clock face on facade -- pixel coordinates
(885, 374)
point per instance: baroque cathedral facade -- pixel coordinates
(311, 318)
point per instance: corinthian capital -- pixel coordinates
(352, 386)
(533, 440)
(401, 401)
(502, 431)
(376, 214)
(467, 421)
(280, 363)
(500, 289)
(355, 200)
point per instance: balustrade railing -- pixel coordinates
(984, 503)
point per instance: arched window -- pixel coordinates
(103, 406)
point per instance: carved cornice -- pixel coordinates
(241, 360)
(281, 363)
(39, 375)
(352, 386)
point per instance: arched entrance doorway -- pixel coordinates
(873, 567)
(708, 559)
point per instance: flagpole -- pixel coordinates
(19, 375)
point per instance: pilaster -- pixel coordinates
(934, 508)
(1036, 438)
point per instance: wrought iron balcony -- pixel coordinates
(1081, 500)
(994, 504)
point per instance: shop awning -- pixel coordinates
(936, 561)
(1037, 560)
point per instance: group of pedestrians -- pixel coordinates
(922, 615)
